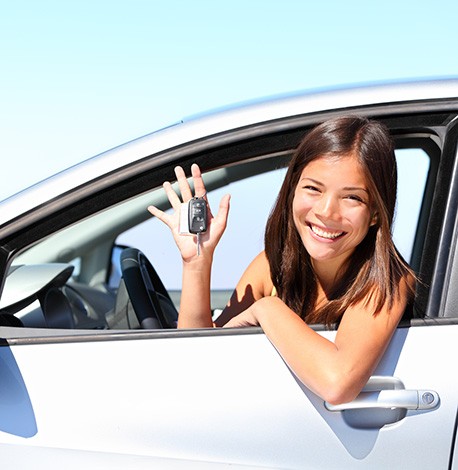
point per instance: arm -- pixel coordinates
(336, 371)
(195, 310)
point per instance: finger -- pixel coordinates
(223, 210)
(199, 185)
(162, 216)
(183, 184)
(172, 195)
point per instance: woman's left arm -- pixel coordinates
(336, 371)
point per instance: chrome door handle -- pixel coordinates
(383, 400)
(390, 399)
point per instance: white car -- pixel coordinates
(82, 384)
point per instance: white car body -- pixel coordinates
(220, 398)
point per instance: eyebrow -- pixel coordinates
(355, 188)
(346, 188)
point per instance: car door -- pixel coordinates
(226, 396)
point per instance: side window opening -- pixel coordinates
(251, 201)
(413, 168)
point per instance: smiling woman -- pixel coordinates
(352, 165)
(329, 258)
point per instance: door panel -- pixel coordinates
(226, 397)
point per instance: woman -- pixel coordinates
(329, 258)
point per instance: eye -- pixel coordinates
(310, 188)
(356, 198)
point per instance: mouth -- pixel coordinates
(326, 234)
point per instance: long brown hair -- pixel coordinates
(375, 268)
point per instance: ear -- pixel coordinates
(374, 219)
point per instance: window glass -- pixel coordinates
(413, 167)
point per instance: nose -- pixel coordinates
(327, 207)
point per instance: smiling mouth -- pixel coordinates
(326, 234)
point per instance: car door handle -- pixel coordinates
(390, 399)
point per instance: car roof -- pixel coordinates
(216, 122)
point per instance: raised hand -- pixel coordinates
(187, 244)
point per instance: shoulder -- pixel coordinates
(254, 284)
(368, 310)
(260, 261)
(258, 272)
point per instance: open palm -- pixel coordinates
(187, 244)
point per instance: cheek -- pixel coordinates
(301, 205)
(298, 209)
(361, 221)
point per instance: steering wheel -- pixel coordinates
(151, 301)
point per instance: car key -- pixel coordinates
(197, 218)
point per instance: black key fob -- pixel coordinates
(197, 213)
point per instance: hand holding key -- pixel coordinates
(204, 238)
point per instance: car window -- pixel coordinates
(413, 168)
(251, 201)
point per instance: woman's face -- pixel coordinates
(331, 209)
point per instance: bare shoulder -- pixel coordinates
(360, 320)
(258, 272)
(254, 284)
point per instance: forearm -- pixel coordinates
(316, 361)
(195, 306)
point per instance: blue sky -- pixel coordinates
(79, 77)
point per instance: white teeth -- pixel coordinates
(323, 234)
